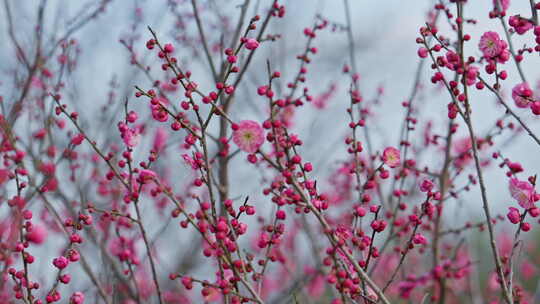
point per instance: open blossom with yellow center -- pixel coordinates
(391, 157)
(491, 45)
(248, 135)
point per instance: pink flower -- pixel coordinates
(190, 161)
(504, 55)
(132, 116)
(159, 112)
(160, 139)
(520, 25)
(62, 59)
(461, 148)
(18, 201)
(462, 145)
(4, 175)
(252, 44)
(145, 285)
(187, 282)
(131, 137)
(419, 239)
(491, 45)
(147, 175)
(422, 52)
(426, 185)
(523, 192)
(528, 270)
(513, 215)
(48, 168)
(472, 73)
(248, 135)
(77, 139)
(168, 48)
(124, 249)
(61, 262)
(522, 95)
(77, 298)
(391, 157)
(321, 100)
(175, 297)
(169, 87)
(37, 235)
(493, 283)
(405, 288)
(315, 287)
(36, 82)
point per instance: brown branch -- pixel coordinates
(468, 121)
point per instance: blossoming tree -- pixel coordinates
(172, 191)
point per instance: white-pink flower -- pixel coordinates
(523, 192)
(248, 135)
(391, 157)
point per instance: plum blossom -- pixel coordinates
(419, 239)
(190, 161)
(77, 298)
(147, 175)
(520, 25)
(252, 44)
(491, 45)
(471, 75)
(522, 95)
(160, 139)
(391, 157)
(461, 148)
(17, 201)
(321, 100)
(248, 135)
(48, 168)
(159, 111)
(37, 235)
(528, 270)
(144, 282)
(131, 137)
(513, 215)
(523, 192)
(426, 185)
(4, 175)
(77, 139)
(315, 287)
(37, 83)
(61, 262)
(124, 249)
